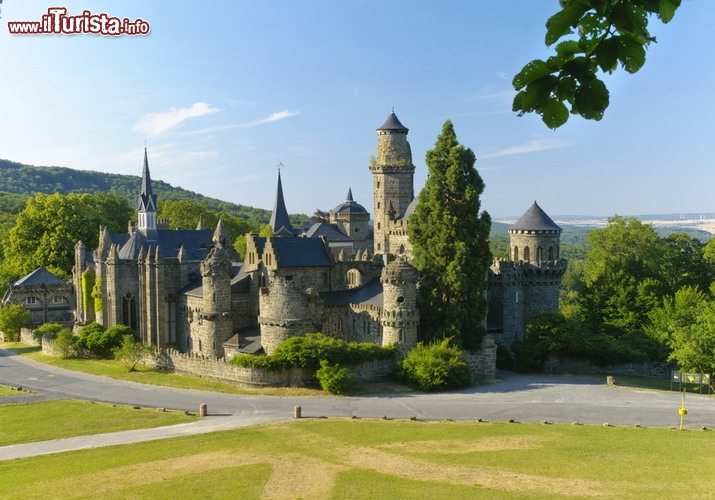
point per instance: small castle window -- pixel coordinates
(289, 278)
(400, 299)
(31, 300)
(57, 299)
(357, 229)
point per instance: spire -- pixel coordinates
(280, 222)
(146, 204)
(220, 237)
(146, 201)
(350, 195)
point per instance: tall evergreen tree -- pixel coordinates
(450, 240)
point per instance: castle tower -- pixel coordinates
(146, 205)
(528, 282)
(392, 174)
(351, 218)
(216, 325)
(280, 221)
(534, 238)
(400, 316)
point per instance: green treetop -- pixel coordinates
(450, 240)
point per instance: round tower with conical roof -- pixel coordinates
(393, 174)
(534, 238)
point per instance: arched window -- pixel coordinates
(539, 255)
(526, 254)
(354, 278)
(516, 254)
(551, 253)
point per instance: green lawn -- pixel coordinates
(347, 459)
(25, 423)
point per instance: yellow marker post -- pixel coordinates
(682, 411)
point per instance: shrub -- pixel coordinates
(334, 379)
(309, 350)
(49, 329)
(435, 366)
(131, 351)
(13, 318)
(65, 344)
(99, 340)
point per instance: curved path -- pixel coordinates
(522, 398)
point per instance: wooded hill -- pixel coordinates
(27, 180)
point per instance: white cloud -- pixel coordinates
(273, 117)
(157, 123)
(529, 147)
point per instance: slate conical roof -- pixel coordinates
(146, 201)
(280, 222)
(535, 219)
(392, 123)
(350, 205)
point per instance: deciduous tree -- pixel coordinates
(591, 37)
(450, 239)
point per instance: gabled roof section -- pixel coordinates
(39, 276)
(392, 123)
(368, 294)
(146, 200)
(196, 244)
(330, 231)
(535, 219)
(409, 210)
(298, 252)
(280, 222)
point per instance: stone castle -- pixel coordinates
(187, 289)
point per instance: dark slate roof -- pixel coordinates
(280, 222)
(299, 252)
(535, 219)
(146, 201)
(239, 282)
(40, 276)
(197, 244)
(350, 206)
(369, 294)
(330, 231)
(409, 210)
(392, 123)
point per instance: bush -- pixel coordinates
(334, 379)
(309, 350)
(49, 329)
(13, 318)
(131, 351)
(435, 366)
(65, 344)
(100, 341)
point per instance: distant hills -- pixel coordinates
(28, 180)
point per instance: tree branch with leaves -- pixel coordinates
(589, 37)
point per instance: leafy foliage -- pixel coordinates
(308, 351)
(101, 341)
(450, 240)
(47, 230)
(131, 351)
(589, 36)
(52, 330)
(437, 366)
(13, 318)
(334, 379)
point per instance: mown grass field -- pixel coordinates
(347, 459)
(26, 423)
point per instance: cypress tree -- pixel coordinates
(450, 240)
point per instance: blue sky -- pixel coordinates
(222, 91)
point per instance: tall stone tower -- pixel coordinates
(392, 174)
(216, 316)
(400, 315)
(528, 282)
(146, 205)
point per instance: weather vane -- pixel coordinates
(280, 164)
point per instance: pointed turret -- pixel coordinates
(200, 225)
(280, 222)
(146, 204)
(220, 237)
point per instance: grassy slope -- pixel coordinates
(338, 458)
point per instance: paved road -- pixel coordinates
(522, 398)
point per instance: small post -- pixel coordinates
(296, 411)
(682, 411)
(203, 409)
(611, 380)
